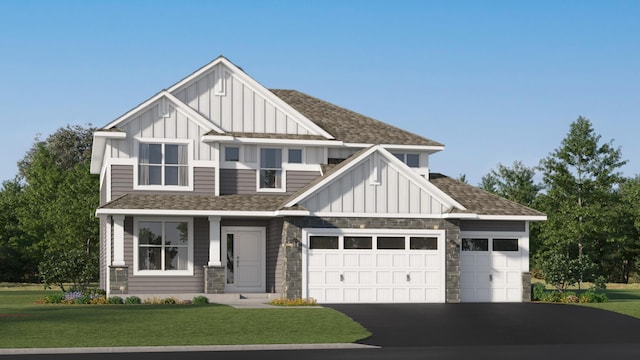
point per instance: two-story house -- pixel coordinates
(219, 185)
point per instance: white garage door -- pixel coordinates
(387, 267)
(491, 269)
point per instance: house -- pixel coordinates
(219, 185)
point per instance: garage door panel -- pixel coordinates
(384, 273)
(384, 260)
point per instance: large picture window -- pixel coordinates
(270, 169)
(163, 164)
(163, 245)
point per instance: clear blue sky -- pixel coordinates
(495, 81)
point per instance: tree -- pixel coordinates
(17, 263)
(60, 195)
(622, 253)
(515, 183)
(580, 180)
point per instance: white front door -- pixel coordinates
(245, 258)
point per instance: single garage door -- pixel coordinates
(386, 267)
(491, 269)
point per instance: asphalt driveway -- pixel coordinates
(410, 325)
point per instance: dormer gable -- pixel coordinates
(236, 103)
(374, 182)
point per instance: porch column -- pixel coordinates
(118, 240)
(214, 241)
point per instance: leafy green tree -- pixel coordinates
(622, 253)
(579, 179)
(17, 263)
(60, 195)
(515, 183)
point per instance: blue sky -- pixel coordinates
(495, 81)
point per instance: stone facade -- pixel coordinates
(214, 279)
(526, 287)
(118, 280)
(292, 236)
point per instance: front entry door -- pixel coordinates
(245, 258)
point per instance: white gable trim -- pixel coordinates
(395, 163)
(99, 146)
(250, 140)
(179, 105)
(258, 88)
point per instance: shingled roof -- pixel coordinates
(349, 126)
(478, 201)
(197, 202)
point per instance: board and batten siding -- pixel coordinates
(234, 106)
(140, 284)
(154, 124)
(353, 192)
(204, 179)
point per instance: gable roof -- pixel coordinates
(349, 126)
(481, 202)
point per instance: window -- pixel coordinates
(475, 244)
(412, 160)
(505, 244)
(357, 242)
(270, 169)
(390, 243)
(423, 243)
(323, 242)
(295, 156)
(163, 246)
(163, 164)
(231, 153)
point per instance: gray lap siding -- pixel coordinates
(244, 181)
(122, 181)
(141, 284)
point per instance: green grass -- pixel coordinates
(624, 301)
(24, 324)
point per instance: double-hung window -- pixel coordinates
(412, 160)
(163, 164)
(163, 246)
(270, 173)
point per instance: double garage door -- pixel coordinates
(381, 267)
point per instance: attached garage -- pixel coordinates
(491, 266)
(383, 266)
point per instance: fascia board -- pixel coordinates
(330, 178)
(249, 140)
(467, 216)
(419, 180)
(134, 111)
(160, 212)
(427, 148)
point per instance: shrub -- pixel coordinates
(116, 300)
(537, 291)
(133, 300)
(294, 302)
(99, 300)
(169, 301)
(200, 300)
(552, 296)
(569, 298)
(592, 297)
(56, 298)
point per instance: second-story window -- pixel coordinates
(163, 164)
(231, 153)
(412, 160)
(270, 169)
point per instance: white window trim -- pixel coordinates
(523, 243)
(190, 146)
(136, 228)
(284, 154)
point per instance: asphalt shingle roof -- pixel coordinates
(197, 202)
(478, 201)
(347, 125)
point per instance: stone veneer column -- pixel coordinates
(118, 280)
(526, 287)
(214, 279)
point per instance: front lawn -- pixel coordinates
(624, 301)
(24, 324)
